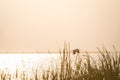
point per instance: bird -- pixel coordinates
(76, 51)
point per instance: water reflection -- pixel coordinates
(28, 63)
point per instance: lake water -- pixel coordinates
(29, 62)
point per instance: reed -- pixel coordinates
(107, 67)
(75, 67)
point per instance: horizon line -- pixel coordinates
(55, 52)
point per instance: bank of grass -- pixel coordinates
(107, 67)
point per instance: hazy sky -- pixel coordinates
(28, 25)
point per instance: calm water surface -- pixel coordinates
(29, 62)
